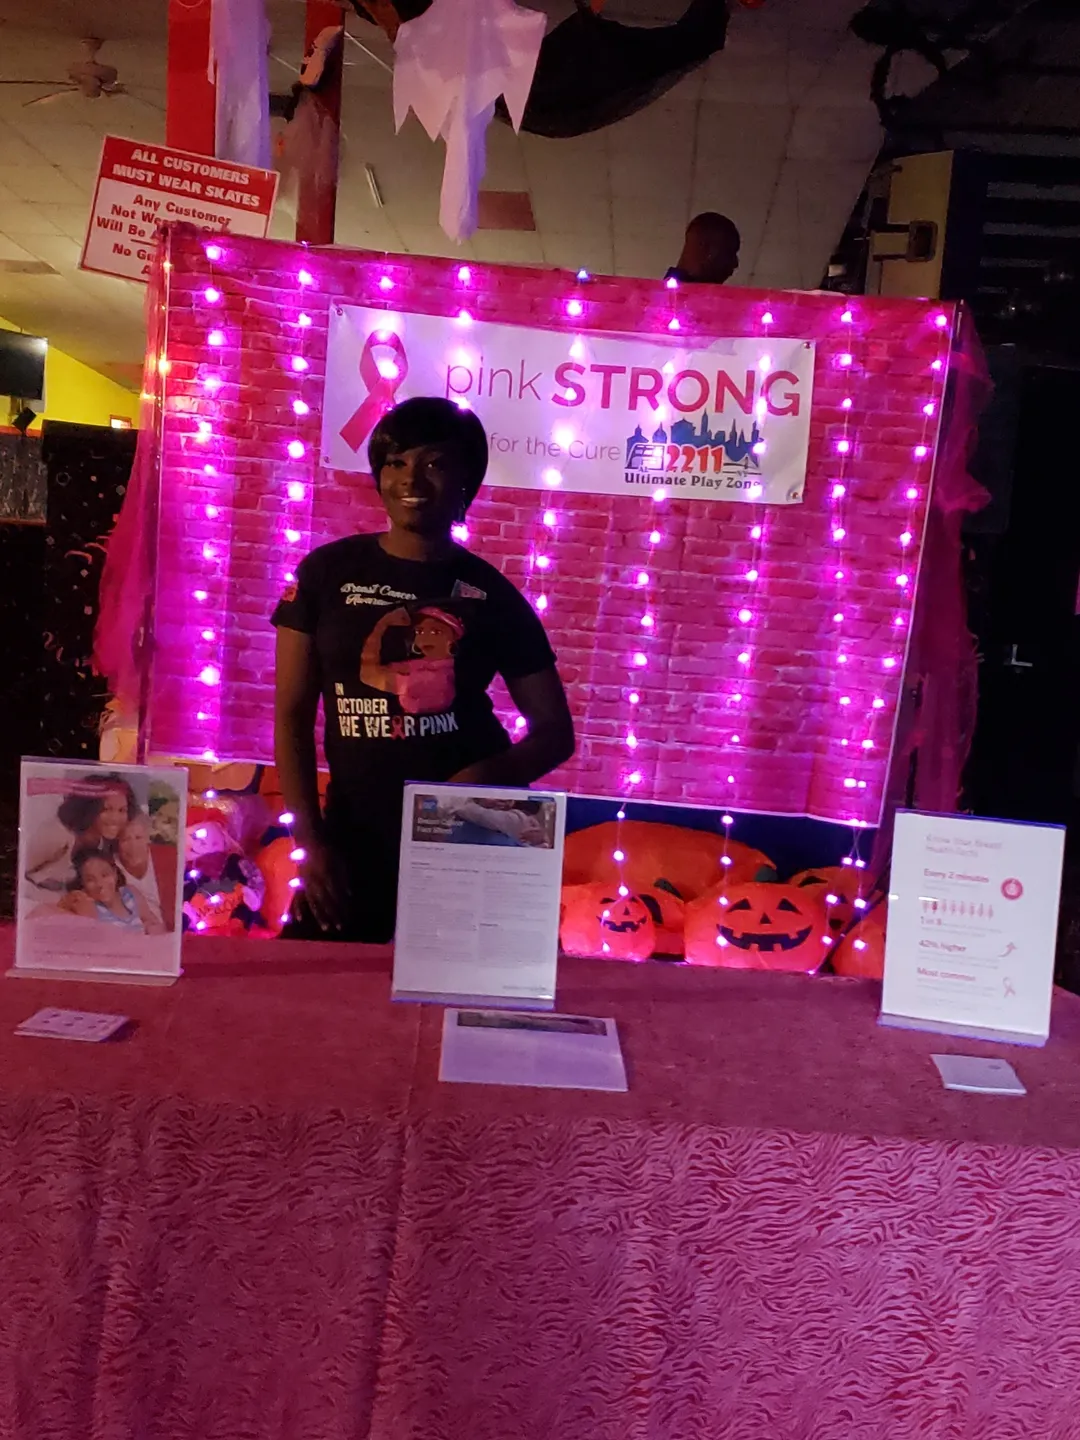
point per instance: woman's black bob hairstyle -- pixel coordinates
(430, 420)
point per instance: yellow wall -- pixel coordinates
(75, 392)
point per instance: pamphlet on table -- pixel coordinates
(478, 897)
(100, 870)
(973, 911)
(499, 1047)
(978, 1075)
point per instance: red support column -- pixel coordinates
(316, 206)
(189, 95)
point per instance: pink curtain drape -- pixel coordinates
(936, 721)
(122, 637)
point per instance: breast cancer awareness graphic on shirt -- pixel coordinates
(383, 378)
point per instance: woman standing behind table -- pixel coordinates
(401, 634)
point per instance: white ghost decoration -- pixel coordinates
(451, 64)
(239, 46)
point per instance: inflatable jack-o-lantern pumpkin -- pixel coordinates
(757, 926)
(669, 919)
(843, 890)
(862, 950)
(685, 861)
(597, 920)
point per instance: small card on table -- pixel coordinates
(72, 1025)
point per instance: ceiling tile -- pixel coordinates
(11, 250)
(749, 136)
(69, 220)
(39, 182)
(58, 250)
(20, 218)
(508, 247)
(835, 135)
(658, 179)
(587, 251)
(505, 164)
(15, 152)
(429, 240)
(803, 227)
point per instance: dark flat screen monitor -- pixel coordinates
(22, 365)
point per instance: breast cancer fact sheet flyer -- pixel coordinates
(478, 897)
(972, 930)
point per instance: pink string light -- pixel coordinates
(647, 619)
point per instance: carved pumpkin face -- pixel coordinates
(669, 919)
(757, 926)
(839, 887)
(862, 950)
(598, 921)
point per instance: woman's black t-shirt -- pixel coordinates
(406, 652)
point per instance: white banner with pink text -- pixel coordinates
(596, 413)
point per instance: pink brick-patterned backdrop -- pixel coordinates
(773, 638)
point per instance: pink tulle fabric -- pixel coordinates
(121, 636)
(936, 720)
(263, 1218)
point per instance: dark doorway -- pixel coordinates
(1024, 758)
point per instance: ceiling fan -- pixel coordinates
(87, 77)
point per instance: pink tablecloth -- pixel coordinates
(262, 1218)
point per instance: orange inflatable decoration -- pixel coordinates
(686, 861)
(839, 887)
(278, 869)
(757, 926)
(234, 777)
(598, 921)
(669, 919)
(862, 950)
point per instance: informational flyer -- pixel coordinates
(478, 897)
(972, 929)
(100, 878)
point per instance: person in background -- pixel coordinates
(710, 253)
(389, 718)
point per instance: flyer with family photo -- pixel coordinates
(100, 877)
(478, 899)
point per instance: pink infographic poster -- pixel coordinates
(973, 915)
(100, 877)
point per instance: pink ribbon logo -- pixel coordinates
(382, 379)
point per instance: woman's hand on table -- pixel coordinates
(325, 891)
